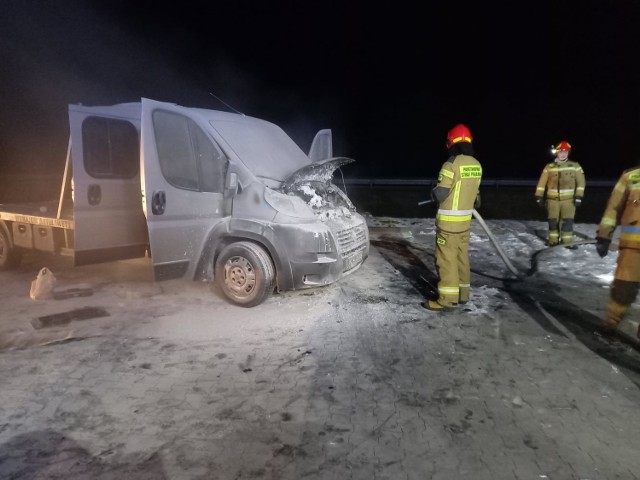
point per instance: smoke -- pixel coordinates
(55, 54)
(60, 53)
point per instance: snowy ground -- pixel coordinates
(577, 281)
(572, 283)
(354, 380)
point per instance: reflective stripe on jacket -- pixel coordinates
(623, 208)
(561, 181)
(461, 175)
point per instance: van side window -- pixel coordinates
(110, 147)
(189, 159)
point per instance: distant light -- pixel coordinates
(553, 151)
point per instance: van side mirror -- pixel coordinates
(232, 182)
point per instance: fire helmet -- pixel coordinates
(563, 145)
(459, 133)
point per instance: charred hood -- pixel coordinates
(321, 171)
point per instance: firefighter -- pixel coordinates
(562, 181)
(457, 193)
(623, 208)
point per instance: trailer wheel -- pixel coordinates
(9, 256)
(245, 273)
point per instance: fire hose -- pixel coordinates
(503, 255)
(534, 258)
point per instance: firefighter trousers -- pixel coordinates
(452, 265)
(625, 285)
(560, 215)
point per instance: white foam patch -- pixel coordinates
(605, 277)
(481, 298)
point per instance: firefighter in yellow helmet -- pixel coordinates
(562, 182)
(623, 209)
(457, 193)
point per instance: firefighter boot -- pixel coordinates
(615, 312)
(609, 326)
(435, 306)
(553, 236)
(463, 298)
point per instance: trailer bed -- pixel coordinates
(40, 213)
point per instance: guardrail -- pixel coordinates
(417, 182)
(501, 198)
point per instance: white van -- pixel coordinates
(208, 194)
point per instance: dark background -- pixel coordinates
(390, 80)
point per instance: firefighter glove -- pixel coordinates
(577, 201)
(540, 201)
(602, 246)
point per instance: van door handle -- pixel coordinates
(158, 202)
(94, 194)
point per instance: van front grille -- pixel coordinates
(352, 238)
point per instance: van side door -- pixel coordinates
(184, 172)
(107, 199)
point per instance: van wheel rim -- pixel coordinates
(240, 277)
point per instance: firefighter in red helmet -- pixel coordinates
(457, 193)
(562, 182)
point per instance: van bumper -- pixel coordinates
(321, 255)
(325, 270)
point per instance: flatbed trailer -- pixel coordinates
(43, 226)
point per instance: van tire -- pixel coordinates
(245, 273)
(9, 256)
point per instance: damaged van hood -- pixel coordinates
(313, 185)
(321, 171)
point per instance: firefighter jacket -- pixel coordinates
(461, 176)
(561, 180)
(623, 208)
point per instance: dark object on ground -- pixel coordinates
(63, 318)
(80, 290)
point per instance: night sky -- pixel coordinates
(389, 81)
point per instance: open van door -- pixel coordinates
(107, 201)
(184, 171)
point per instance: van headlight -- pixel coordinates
(289, 205)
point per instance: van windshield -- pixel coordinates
(263, 147)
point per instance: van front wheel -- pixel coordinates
(245, 273)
